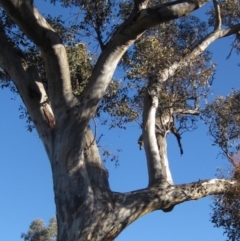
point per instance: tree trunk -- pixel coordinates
(87, 210)
(82, 213)
(82, 195)
(86, 207)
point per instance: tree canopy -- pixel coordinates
(39, 232)
(120, 62)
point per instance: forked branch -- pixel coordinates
(125, 35)
(202, 46)
(43, 35)
(135, 204)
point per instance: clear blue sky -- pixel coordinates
(26, 184)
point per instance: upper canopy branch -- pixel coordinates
(150, 17)
(43, 35)
(196, 51)
(186, 112)
(99, 37)
(121, 40)
(218, 18)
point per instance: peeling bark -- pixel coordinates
(87, 209)
(105, 220)
(48, 41)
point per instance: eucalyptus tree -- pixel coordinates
(39, 232)
(168, 72)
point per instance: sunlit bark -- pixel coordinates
(86, 207)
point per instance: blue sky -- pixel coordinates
(26, 183)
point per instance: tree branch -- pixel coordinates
(170, 71)
(164, 124)
(218, 21)
(162, 147)
(43, 35)
(155, 168)
(178, 137)
(99, 37)
(124, 36)
(31, 90)
(135, 204)
(97, 173)
(186, 112)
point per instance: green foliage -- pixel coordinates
(226, 210)
(39, 232)
(80, 66)
(230, 12)
(156, 50)
(167, 44)
(124, 97)
(223, 118)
